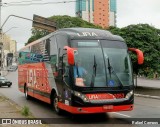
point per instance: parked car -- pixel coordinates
(12, 68)
(4, 82)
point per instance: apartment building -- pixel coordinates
(99, 12)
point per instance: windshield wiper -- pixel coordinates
(111, 70)
(94, 72)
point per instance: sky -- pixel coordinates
(128, 12)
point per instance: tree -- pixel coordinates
(67, 22)
(62, 22)
(36, 34)
(145, 38)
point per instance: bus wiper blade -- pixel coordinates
(94, 72)
(111, 70)
(95, 66)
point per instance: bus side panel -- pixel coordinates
(42, 87)
(38, 82)
(39, 79)
(22, 77)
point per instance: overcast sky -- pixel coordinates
(128, 12)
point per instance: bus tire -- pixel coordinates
(26, 93)
(55, 105)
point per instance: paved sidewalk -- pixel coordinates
(143, 82)
(9, 109)
(149, 88)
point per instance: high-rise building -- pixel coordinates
(85, 9)
(99, 12)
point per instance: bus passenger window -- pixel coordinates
(65, 70)
(53, 60)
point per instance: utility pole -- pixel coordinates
(1, 43)
(0, 12)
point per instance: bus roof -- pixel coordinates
(81, 33)
(90, 33)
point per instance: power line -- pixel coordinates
(22, 1)
(44, 3)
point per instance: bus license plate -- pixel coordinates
(107, 107)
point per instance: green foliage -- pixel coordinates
(67, 22)
(62, 22)
(25, 111)
(147, 39)
(141, 36)
(36, 34)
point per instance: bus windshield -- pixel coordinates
(101, 63)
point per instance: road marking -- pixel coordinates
(121, 114)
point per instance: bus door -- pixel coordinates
(66, 76)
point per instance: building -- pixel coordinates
(13, 47)
(6, 42)
(99, 12)
(8, 46)
(85, 9)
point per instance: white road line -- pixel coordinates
(121, 114)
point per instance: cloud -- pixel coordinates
(138, 11)
(128, 12)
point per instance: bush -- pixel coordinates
(25, 111)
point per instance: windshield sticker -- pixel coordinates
(79, 82)
(111, 83)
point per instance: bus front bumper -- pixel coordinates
(98, 109)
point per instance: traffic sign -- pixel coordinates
(43, 23)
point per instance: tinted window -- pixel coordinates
(61, 42)
(53, 46)
(113, 44)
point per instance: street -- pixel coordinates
(143, 107)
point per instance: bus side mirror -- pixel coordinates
(70, 55)
(139, 53)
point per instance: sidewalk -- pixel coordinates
(143, 82)
(8, 109)
(148, 88)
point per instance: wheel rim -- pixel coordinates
(56, 104)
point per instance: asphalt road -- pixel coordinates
(143, 108)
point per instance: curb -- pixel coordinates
(147, 96)
(146, 87)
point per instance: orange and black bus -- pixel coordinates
(48, 70)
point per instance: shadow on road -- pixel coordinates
(68, 118)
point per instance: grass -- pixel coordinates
(25, 111)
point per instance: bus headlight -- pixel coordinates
(82, 96)
(129, 94)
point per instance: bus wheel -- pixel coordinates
(55, 105)
(26, 93)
